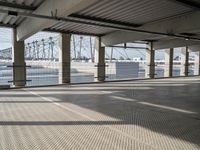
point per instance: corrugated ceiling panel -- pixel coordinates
(75, 27)
(134, 11)
(11, 20)
(130, 11)
(25, 2)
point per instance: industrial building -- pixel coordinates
(124, 104)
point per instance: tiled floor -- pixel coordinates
(162, 114)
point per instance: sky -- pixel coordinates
(6, 42)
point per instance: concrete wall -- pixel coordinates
(122, 70)
(126, 69)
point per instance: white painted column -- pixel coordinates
(197, 63)
(19, 65)
(64, 58)
(150, 62)
(99, 60)
(168, 62)
(184, 61)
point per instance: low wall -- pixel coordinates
(119, 68)
(122, 70)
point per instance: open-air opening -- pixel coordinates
(159, 63)
(125, 61)
(99, 74)
(6, 70)
(41, 56)
(83, 66)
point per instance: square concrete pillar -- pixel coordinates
(197, 63)
(184, 61)
(150, 62)
(19, 65)
(99, 60)
(168, 62)
(64, 58)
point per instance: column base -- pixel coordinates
(100, 75)
(19, 75)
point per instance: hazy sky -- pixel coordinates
(6, 42)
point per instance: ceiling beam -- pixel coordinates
(173, 43)
(72, 32)
(127, 37)
(54, 8)
(101, 20)
(172, 27)
(188, 3)
(55, 19)
(17, 6)
(194, 48)
(7, 25)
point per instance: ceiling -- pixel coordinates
(103, 16)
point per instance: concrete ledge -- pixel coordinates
(4, 86)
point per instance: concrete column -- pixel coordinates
(64, 58)
(99, 60)
(150, 56)
(168, 62)
(184, 61)
(19, 65)
(197, 63)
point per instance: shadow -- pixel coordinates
(167, 121)
(27, 102)
(167, 110)
(94, 88)
(60, 123)
(45, 102)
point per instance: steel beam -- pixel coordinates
(97, 23)
(96, 19)
(72, 32)
(17, 6)
(50, 8)
(188, 23)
